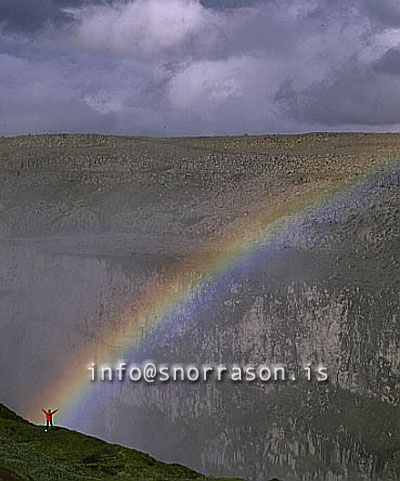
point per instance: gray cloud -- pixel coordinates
(386, 12)
(29, 15)
(355, 96)
(226, 4)
(188, 67)
(32, 15)
(389, 62)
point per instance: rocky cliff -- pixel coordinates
(88, 221)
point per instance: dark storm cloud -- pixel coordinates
(389, 62)
(198, 67)
(223, 4)
(29, 14)
(385, 11)
(356, 96)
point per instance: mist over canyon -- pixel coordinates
(88, 223)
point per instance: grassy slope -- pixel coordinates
(33, 454)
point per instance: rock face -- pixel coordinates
(88, 223)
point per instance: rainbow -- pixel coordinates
(161, 299)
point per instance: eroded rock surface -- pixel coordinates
(88, 222)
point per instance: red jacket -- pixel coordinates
(49, 415)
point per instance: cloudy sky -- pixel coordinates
(180, 67)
